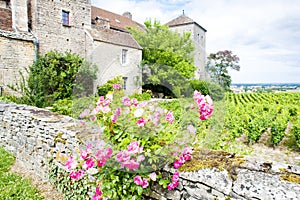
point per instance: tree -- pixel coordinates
(167, 56)
(218, 64)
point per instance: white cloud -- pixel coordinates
(264, 34)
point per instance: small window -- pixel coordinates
(65, 18)
(124, 82)
(124, 56)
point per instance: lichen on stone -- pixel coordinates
(291, 177)
(221, 160)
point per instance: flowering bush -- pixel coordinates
(140, 139)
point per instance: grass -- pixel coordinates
(12, 186)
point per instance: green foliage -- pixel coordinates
(108, 86)
(72, 107)
(13, 186)
(141, 97)
(216, 92)
(253, 114)
(218, 65)
(56, 76)
(71, 189)
(296, 132)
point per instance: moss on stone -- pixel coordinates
(213, 159)
(291, 177)
(59, 138)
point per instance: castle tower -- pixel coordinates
(185, 24)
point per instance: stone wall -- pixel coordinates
(16, 53)
(32, 134)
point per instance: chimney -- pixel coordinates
(19, 15)
(128, 15)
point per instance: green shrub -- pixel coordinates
(216, 92)
(56, 76)
(141, 97)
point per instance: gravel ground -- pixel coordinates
(46, 189)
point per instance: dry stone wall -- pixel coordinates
(33, 134)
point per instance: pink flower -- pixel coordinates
(105, 109)
(145, 183)
(89, 163)
(123, 156)
(177, 164)
(83, 154)
(169, 117)
(114, 118)
(118, 111)
(101, 162)
(131, 164)
(85, 113)
(71, 163)
(153, 176)
(100, 100)
(100, 154)
(141, 122)
(138, 180)
(117, 86)
(109, 152)
(82, 122)
(126, 101)
(98, 194)
(135, 102)
(93, 118)
(172, 185)
(187, 157)
(133, 147)
(175, 177)
(187, 150)
(77, 175)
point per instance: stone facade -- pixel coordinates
(185, 24)
(34, 134)
(16, 52)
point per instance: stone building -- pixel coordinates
(185, 24)
(32, 27)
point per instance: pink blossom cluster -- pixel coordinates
(102, 107)
(174, 183)
(130, 102)
(117, 86)
(88, 162)
(205, 105)
(98, 194)
(185, 156)
(132, 157)
(144, 182)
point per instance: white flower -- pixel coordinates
(138, 112)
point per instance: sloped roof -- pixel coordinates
(115, 37)
(183, 20)
(116, 21)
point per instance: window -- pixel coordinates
(65, 18)
(124, 82)
(124, 56)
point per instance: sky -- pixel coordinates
(265, 35)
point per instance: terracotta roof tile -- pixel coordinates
(116, 21)
(183, 20)
(115, 37)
